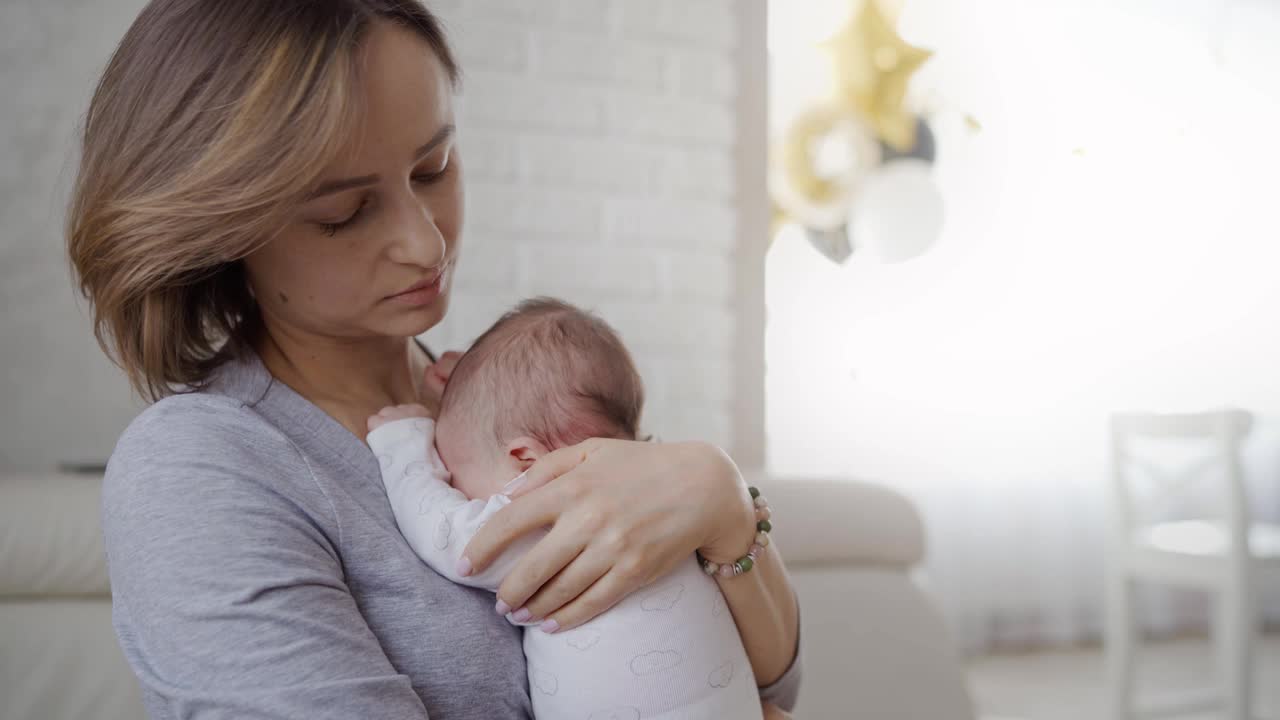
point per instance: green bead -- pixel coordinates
(755, 493)
(764, 526)
(746, 564)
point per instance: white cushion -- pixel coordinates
(51, 536)
(60, 659)
(820, 522)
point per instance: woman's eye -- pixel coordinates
(428, 178)
(332, 229)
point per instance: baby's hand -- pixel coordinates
(391, 413)
(437, 375)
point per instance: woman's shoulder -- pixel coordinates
(207, 420)
(186, 445)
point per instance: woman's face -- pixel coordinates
(372, 252)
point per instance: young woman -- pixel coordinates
(268, 211)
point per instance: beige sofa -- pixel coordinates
(874, 646)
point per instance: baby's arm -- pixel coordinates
(436, 519)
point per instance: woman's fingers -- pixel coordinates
(604, 594)
(540, 509)
(569, 583)
(547, 557)
(548, 468)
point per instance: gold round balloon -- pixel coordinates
(816, 169)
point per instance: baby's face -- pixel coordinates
(478, 468)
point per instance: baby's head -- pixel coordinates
(545, 376)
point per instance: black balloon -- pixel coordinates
(833, 244)
(925, 148)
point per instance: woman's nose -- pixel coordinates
(417, 239)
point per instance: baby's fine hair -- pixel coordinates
(549, 371)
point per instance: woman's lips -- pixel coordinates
(423, 293)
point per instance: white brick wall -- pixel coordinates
(599, 146)
(60, 399)
(598, 141)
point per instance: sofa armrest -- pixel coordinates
(828, 522)
(51, 536)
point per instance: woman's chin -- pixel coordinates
(416, 321)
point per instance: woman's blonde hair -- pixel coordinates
(211, 121)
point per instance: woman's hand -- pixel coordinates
(622, 514)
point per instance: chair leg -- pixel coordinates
(1121, 645)
(1236, 627)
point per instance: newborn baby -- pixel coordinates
(547, 376)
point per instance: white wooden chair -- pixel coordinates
(1222, 552)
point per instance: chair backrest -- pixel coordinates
(1218, 434)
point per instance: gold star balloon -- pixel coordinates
(872, 67)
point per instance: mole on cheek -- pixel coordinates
(284, 298)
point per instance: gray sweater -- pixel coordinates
(257, 572)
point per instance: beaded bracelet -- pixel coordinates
(748, 561)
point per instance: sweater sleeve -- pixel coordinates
(785, 690)
(229, 595)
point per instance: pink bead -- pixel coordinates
(763, 513)
(755, 550)
(726, 570)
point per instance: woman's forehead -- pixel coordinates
(405, 96)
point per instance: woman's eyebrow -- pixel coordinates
(333, 186)
(444, 133)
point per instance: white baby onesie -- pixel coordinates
(669, 651)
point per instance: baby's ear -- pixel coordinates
(526, 451)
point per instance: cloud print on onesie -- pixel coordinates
(655, 662)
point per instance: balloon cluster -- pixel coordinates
(854, 169)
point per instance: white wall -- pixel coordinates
(599, 140)
(60, 400)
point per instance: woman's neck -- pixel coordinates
(350, 379)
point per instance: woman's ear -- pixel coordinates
(525, 451)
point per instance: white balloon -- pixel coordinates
(898, 213)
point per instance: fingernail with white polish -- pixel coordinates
(522, 615)
(515, 484)
(464, 567)
(550, 626)
(502, 608)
